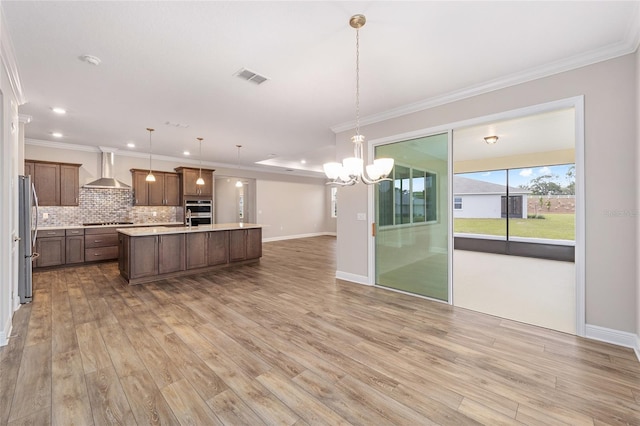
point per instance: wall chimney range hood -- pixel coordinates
(107, 181)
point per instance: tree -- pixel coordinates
(544, 185)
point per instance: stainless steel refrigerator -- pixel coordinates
(28, 231)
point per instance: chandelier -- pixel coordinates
(351, 170)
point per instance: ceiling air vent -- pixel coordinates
(251, 76)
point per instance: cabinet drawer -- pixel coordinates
(73, 232)
(51, 233)
(101, 230)
(100, 253)
(98, 240)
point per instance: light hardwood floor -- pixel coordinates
(283, 343)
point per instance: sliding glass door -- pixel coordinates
(412, 218)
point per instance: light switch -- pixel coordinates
(362, 216)
(45, 215)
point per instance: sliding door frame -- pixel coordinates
(577, 103)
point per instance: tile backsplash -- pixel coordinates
(106, 205)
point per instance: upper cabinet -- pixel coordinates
(189, 177)
(165, 191)
(57, 184)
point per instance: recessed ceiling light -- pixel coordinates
(56, 134)
(303, 161)
(59, 110)
(90, 59)
(131, 145)
(186, 153)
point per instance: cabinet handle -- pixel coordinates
(97, 241)
(96, 254)
(51, 233)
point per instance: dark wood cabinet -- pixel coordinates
(165, 191)
(74, 250)
(189, 176)
(197, 250)
(69, 184)
(143, 256)
(46, 178)
(100, 244)
(57, 184)
(254, 243)
(237, 245)
(28, 168)
(217, 248)
(140, 187)
(171, 253)
(50, 245)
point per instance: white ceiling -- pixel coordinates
(175, 62)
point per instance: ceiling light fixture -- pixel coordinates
(490, 140)
(200, 181)
(59, 110)
(239, 182)
(186, 153)
(131, 145)
(150, 177)
(57, 134)
(351, 170)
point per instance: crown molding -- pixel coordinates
(629, 45)
(124, 153)
(9, 61)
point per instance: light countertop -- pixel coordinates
(133, 225)
(166, 230)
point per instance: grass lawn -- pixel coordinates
(554, 226)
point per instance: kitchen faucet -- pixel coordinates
(189, 218)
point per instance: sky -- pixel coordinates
(519, 177)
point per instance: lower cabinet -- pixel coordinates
(148, 257)
(217, 247)
(50, 245)
(74, 249)
(100, 244)
(245, 244)
(143, 256)
(171, 253)
(197, 250)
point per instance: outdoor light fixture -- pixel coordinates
(351, 170)
(150, 177)
(490, 140)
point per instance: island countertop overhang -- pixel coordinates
(166, 230)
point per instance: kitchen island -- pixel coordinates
(153, 253)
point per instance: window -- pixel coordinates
(457, 203)
(334, 202)
(525, 212)
(410, 197)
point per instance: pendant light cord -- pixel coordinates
(357, 81)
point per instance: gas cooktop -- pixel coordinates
(107, 223)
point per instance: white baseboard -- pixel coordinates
(616, 337)
(293, 237)
(354, 278)
(5, 333)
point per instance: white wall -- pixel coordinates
(609, 89)
(637, 115)
(479, 206)
(291, 209)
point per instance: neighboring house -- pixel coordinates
(485, 200)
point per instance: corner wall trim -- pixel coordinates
(4, 334)
(354, 278)
(616, 337)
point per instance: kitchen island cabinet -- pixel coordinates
(149, 254)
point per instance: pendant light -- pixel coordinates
(239, 182)
(150, 177)
(200, 181)
(351, 170)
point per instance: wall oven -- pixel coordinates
(198, 212)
